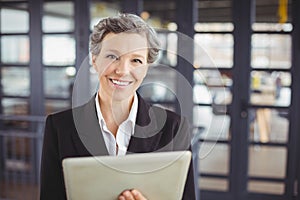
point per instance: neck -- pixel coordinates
(115, 111)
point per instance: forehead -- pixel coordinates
(125, 43)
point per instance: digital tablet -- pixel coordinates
(156, 175)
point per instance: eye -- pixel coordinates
(111, 56)
(136, 60)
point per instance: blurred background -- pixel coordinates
(236, 78)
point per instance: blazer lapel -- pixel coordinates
(89, 137)
(89, 140)
(148, 128)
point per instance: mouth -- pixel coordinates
(120, 83)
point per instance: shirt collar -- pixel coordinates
(131, 117)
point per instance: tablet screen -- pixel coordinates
(156, 175)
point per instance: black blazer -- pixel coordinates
(76, 132)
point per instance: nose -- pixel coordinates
(123, 67)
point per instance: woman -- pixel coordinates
(117, 121)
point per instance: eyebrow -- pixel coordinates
(119, 53)
(139, 56)
(113, 51)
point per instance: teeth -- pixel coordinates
(121, 83)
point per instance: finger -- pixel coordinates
(121, 197)
(137, 195)
(128, 195)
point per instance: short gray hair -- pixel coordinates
(128, 23)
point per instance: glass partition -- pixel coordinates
(15, 106)
(58, 82)
(14, 20)
(15, 81)
(268, 125)
(58, 50)
(58, 17)
(271, 51)
(15, 49)
(213, 50)
(270, 88)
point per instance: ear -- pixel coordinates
(94, 57)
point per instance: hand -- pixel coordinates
(131, 195)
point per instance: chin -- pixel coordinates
(120, 96)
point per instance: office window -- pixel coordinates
(15, 49)
(58, 50)
(261, 164)
(59, 53)
(213, 50)
(15, 106)
(214, 158)
(268, 125)
(271, 51)
(15, 56)
(15, 81)
(215, 184)
(266, 187)
(270, 88)
(168, 54)
(14, 20)
(56, 105)
(58, 17)
(58, 82)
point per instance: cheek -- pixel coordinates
(140, 72)
(103, 68)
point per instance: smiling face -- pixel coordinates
(121, 65)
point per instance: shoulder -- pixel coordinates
(58, 121)
(61, 116)
(65, 117)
